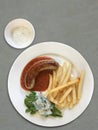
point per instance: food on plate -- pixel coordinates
(37, 103)
(35, 75)
(62, 89)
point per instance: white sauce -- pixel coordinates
(42, 105)
(21, 35)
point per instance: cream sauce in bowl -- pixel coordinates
(19, 33)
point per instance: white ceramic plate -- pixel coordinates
(17, 94)
(19, 33)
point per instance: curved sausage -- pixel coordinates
(39, 64)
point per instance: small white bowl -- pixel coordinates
(19, 33)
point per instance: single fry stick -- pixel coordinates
(54, 80)
(56, 76)
(74, 81)
(49, 86)
(74, 98)
(55, 83)
(66, 94)
(64, 71)
(68, 73)
(59, 73)
(80, 84)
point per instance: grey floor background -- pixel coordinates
(73, 22)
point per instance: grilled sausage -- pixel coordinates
(39, 64)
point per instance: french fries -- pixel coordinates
(64, 90)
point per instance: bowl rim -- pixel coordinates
(16, 23)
